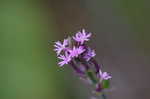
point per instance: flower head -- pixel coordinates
(65, 59)
(104, 75)
(89, 54)
(82, 36)
(80, 57)
(60, 46)
(75, 52)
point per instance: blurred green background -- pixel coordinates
(28, 65)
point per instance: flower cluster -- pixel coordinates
(75, 52)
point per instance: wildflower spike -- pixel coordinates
(74, 52)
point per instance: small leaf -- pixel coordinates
(105, 83)
(91, 75)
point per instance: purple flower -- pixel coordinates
(65, 59)
(104, 75)
(60, 46)
(75, 52)
(82, 36)
(89, 54)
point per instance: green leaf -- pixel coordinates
(92, 77)
(105, 83)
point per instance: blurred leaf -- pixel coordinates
(105, 84)
(92, 77)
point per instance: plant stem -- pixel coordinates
(97, 66)
(76, 68)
